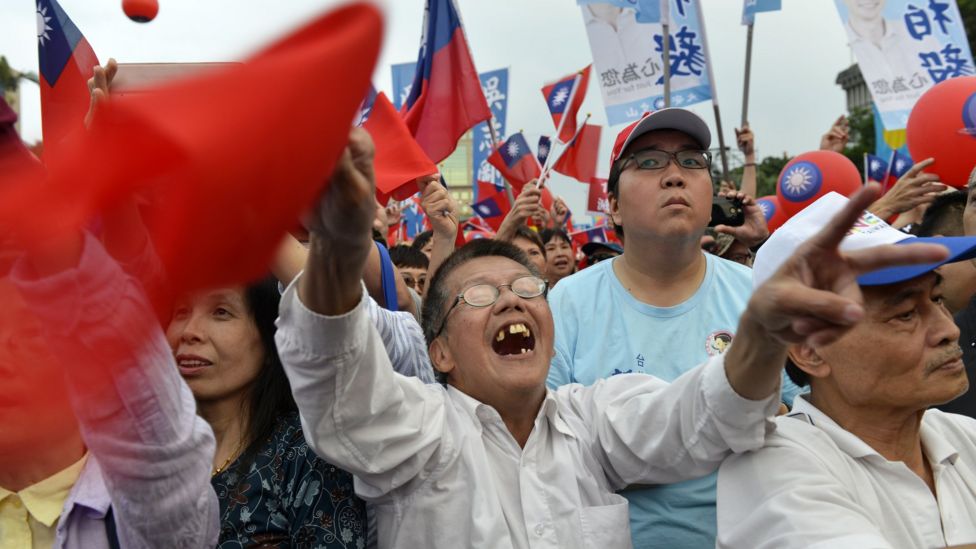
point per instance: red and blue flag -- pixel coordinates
(898, 166)
(545, 146)
(515, 161)
(875, 170)
(66, 63)
(492, 209)
(445, 98)
(564, 98)
(596, 234)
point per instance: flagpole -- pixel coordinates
(666, 46)
(745, 90)
(711, 82)
(865, 168)
(546, 168)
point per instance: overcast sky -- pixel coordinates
(797, 55)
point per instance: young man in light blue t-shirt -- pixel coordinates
(663, 306)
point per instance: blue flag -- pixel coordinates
(751, 7)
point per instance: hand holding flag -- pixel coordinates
(399, 159)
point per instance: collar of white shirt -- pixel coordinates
(481, 413)
(937, 449)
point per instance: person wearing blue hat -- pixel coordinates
(862, 460)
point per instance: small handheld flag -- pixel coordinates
(515, 161)
(875, 169)
(564, 98)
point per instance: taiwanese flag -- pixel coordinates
(66, 62)
(399, 160)
(445, 99)
(899, 165)
(597, 200)
(564, 98)
(596, 234)
(579, 159)
(875, 169)
(515, 161)
(492, 209)
(545, 146)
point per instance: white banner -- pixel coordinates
(904, 47)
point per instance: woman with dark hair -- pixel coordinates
(273, 490)
(560, 261)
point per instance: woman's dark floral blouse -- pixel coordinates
(288, 497)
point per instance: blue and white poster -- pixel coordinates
(628, 58)
(495, 86)
(904, 47)
(403, 74)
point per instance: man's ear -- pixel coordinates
(440, 356)
(614, 208)
(807, 359)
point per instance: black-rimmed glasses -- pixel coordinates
(655, 159)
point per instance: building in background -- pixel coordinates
(856, 90)
(457, 170)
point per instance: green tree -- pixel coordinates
(862, 139)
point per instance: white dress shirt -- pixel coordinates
(816, 485)
(444, 471)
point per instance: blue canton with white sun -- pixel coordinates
(801, 181)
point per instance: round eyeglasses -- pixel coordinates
(654, 159)
(484, 295)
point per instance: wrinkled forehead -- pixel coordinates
(485, 270)
(666, 140)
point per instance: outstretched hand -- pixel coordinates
(814, 297)
(912, 189)
(98, 87)
(837, 136)
(346, 210)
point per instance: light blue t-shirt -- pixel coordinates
(601, 330)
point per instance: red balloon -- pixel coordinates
(774, 213)
(140, 11)
(942, 126)
(812, 175)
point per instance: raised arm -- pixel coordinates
(356, 412)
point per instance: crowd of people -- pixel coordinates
(689, 387)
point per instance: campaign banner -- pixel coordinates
(628, 60)
(403, 74)
(495, 86)
(904, 47)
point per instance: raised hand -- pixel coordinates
(913, 189)
(98, 86)
(836, 138)
(754, 231)
(528, 204)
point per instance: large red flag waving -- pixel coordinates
(399, 160)
(445, 99)
(579, 159)
(227, 166)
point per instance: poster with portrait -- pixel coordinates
(903, 48)
(628, 62)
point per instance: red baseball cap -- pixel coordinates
(671, 118)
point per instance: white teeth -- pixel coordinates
(524, 351)
(501, 335)
(527, 332)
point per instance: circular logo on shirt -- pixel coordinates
(801, 182)
(718, 342)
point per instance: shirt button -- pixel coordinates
(539, 529)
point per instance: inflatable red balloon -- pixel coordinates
(774, 213)
(812, 175)
(140, 11)
(942, 126)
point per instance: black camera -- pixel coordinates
(727, 211)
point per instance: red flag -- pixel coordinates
(66, 63)
(597, 201)
(492, 209)
(515, 161)
(579, 158)
(445, 99)
(564, 98)
(399, 159)
(227, 175)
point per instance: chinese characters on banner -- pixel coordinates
(903, 48)
(495, 86)
(628, 61)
